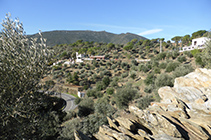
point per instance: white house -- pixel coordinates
(81, 94)
(197, 43)
(79, 57)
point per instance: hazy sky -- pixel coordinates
(149, 18)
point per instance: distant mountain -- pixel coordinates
(67, 37)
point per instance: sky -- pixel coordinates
(148, 18)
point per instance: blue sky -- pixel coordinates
(149, 18)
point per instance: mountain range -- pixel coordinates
(67, 37)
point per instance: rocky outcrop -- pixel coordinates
(184, 112)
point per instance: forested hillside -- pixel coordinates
(67, 37)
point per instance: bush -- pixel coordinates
(94, 93)
(67, 132)
(144, 102)
(113, 66)
(106, 81)
(188, 53)
(171, 66)
(133, 75)
(70, 115)
(143, 68)
(102, 106)
(77, 100)
(124, 95)
(107, 73)
(124, 75)
(195, 52)
(161, 56)
(156, 70)
(182, 70)
(148, 89)
(83, 70)
(198, 60)
(110, 91)
(100, 86)
(134, 62)
(175, 54)
(150, 79)
(168, 55)
(85, 107)
(163, 80)
(181, 59)
(162, 65)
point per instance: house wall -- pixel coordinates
(79, 57)
(199, 41)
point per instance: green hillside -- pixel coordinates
(67, 37)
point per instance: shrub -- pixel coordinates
(198, 60)
(85, 107)
(124, 75)
(175, 54)
(110, 91)
(195, 52)
(124, 95)
(143, 68)
(70, 115)
(83, 70)
(144, 102)
(150, 79)
(162, 65)
(94, 93)
(188, 53)
(181, 59)
(77, 100)
(106, 81)
(114, 84)
(133, 75)
(156, 70)
(168, 55)
(155, 51)
(67, 132)
(100, 86)
(134, 62)
(103, 107)
(107, 73)
(163, 80)
(148, 89)
(161, 56)
(154, 63)
(171, 66)
(182, 70)
(113, 66)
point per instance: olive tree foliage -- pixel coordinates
(206, 54)
(22, 63)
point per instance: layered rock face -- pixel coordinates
(183, 113)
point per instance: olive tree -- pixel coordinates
(25, 112)
(206, 57)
